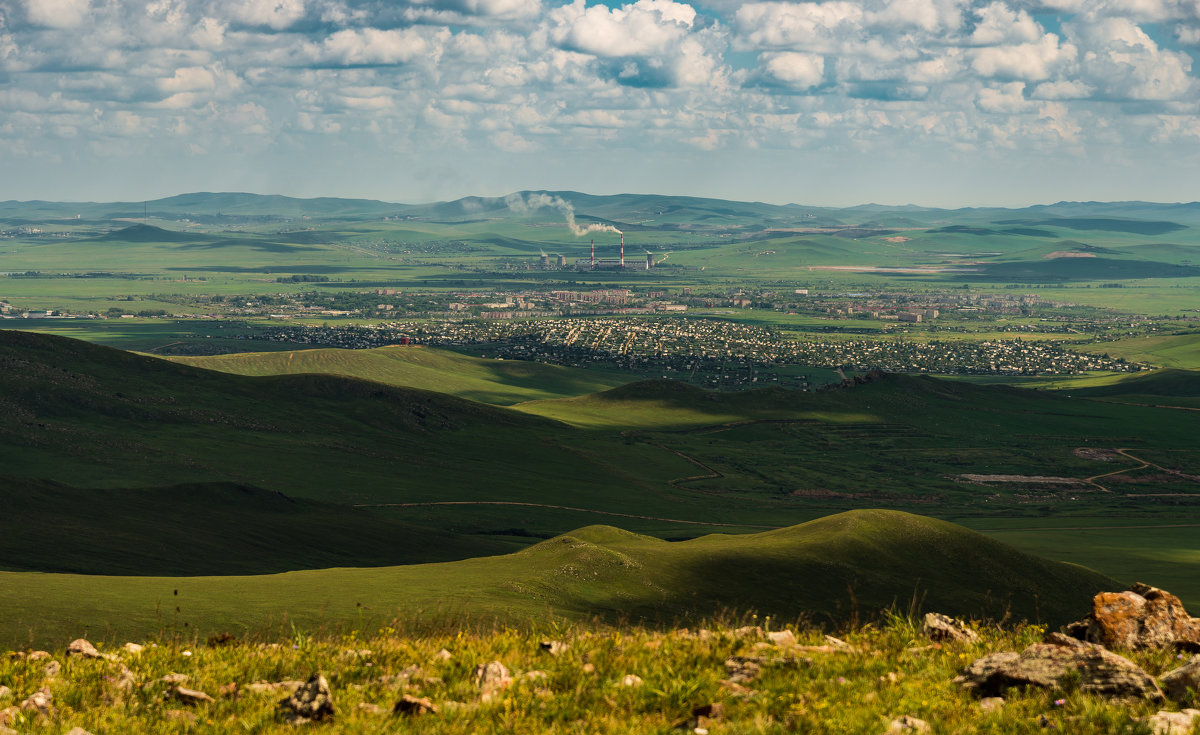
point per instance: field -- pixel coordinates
(1063, 422)
(608, 679)
(834, 569)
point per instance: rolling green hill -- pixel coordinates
(93, 416)
(835, 568)
(212, 528)
(500, 382)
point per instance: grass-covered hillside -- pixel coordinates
(731, 676)
(834, 569)
(501, 382)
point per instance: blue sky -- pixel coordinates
(933, 102)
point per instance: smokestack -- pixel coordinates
(622, 252)
(593, 253)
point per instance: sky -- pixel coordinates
(835, 103)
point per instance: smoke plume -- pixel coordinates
(535, 202)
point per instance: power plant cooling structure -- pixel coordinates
(618, 263)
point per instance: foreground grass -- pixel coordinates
(884, 671)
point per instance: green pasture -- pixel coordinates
(500, 382)
(833, 569)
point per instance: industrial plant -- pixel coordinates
(611, 264)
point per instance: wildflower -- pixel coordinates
(1059, 702)
(187, 653)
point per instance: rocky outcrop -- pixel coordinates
(82, 648)
(1140, 617)
(1060, 661)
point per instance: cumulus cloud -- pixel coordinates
(57, 13)
(525, 76)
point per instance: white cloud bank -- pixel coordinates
(467, 79)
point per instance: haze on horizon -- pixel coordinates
(944, 103)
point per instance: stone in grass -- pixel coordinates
(743, 670)
(631, 680)
(77, 731)
(553, 647)
(991, 704)
(412, 706)
(1176, 683)
(5, 692)
(908, 724)
(311, 702)
(782, 638)
(946, 629)
(1058, 661)
(82, 648)
(133, 649)
(191, 696)
(38, 703)
(1173, 723)
(9, 715)
(271, 687)
(490, 678)
(443, 655)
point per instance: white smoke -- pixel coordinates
(519, 204)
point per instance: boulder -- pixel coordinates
(312, 701)
(410, 705)
(491, 678)
(1057, 662)
(553, 647)
(1140, 617)
(82, 648)
(1177, 682)
(1173, 723)
(782, 638)
(9, 715)
(943, 628)
(133, 649)
(38, 703)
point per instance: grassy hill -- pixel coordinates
(211, 528)
(93, 416)
(833, 569)
(500, 382)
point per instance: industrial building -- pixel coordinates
(619, 263)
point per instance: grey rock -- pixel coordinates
(39, 702)
(782, 638)
(77, 731)
(133, 648)
(1177, 682)
(491, 678)
(51, 669)
(991, 704)
(631, 680)
(553, 647)
(174, 679)
(1051, 664)
(312, 701)
(945, 629)
(82, 648)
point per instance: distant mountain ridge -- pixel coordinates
(627, 208)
